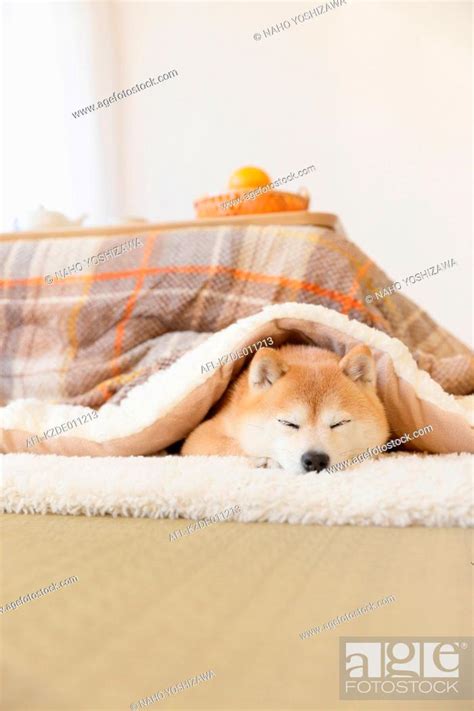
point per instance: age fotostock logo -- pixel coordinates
(401, 668)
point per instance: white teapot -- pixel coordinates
(42, 219)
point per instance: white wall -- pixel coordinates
(57, 57)
(376, 95)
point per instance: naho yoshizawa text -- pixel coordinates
(298, 19)
(412, 279)
(222, 360)
(96, 259)
(171, 690)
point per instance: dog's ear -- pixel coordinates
(265, 369)
(359, 365)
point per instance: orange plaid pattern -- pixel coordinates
(95, 334)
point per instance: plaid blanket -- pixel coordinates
(85, 319)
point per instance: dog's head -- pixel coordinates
(307, 410)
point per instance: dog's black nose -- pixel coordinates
(314, 461)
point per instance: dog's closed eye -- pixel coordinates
(289, 424)
(338, 424)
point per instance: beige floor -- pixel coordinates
(148, 613)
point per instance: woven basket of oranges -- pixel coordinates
(250, 193)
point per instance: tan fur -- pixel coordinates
(303, 385)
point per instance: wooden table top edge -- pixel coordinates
(318, 219)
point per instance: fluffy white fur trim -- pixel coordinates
(396, 490)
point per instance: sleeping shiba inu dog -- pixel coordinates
(301, 408)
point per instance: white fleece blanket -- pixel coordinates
(396, 490)
(170, 403)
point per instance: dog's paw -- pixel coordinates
(264, 463)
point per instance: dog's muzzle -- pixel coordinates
(314, 461)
